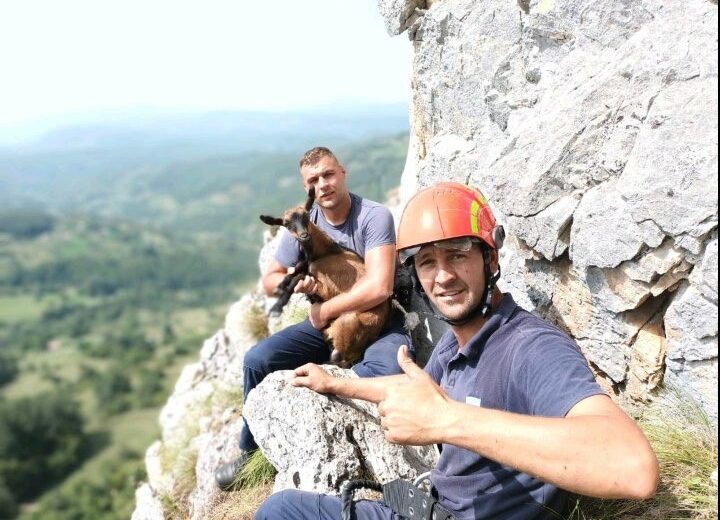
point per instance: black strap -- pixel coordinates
(404, 498)
(411, 502)
(348, 489)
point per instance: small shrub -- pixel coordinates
(255, 322)
(107, 493)
(8, 507)
(8, 369)
(41, 440)
(112, 390)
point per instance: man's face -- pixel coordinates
(328, 178)
(453, 279)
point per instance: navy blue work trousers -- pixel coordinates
(292, 504)
(302, 343)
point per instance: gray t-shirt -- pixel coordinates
(517, 363)
(368, 225)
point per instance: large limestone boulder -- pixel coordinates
(593, 129)
(317, 442)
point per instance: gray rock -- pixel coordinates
(147, 505)
(548, 232)
(654, 263)
(611, 102)
(160, 482)
(705, 275)
(602, 214)
(398, 15)
(614, 290)
(699, 380)
(214, 447)
(317, 442)
(691, 326)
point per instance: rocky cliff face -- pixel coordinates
(593, 128)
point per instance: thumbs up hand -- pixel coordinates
(412, 412)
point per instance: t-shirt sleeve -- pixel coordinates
(288, 249)
(555, 375)
(379, 228)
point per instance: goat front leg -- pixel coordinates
(284, 285)
(289, 283)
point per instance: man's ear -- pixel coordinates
(271, 221)
(310, 198)
(494, 260)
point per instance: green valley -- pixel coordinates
(115, 263)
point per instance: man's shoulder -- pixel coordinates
(367, 205)
(530, 336)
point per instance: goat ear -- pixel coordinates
(310, 198)
(271, 221)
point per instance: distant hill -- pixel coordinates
(208, 173)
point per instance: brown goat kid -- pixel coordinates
(335, 270)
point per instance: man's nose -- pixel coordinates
(444, 274)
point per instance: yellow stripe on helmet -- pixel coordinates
(474, 209)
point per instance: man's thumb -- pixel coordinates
(407, 364)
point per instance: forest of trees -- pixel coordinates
(99, 312)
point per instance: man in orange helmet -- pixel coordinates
(509, 397)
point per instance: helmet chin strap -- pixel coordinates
(483, 307)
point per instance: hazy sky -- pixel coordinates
(70, 56)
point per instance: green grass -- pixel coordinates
(23, 307)
(38, 369)
(686, 445)
(256, 472)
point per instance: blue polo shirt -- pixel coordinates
(518, 363)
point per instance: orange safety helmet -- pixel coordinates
(445, 211)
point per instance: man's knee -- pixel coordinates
(259, 356)
(291, 504)
(380, 358)
(271, 508)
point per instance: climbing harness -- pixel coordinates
(408, 499)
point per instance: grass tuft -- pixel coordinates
(255, 321)
(255, 473)
(241, 505)
(294, 312)
(687, 449)
(253, 485)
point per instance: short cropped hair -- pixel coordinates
(313, 155)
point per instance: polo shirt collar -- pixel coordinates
(498, 318)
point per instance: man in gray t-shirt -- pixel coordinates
(359, 224)
(367, 226)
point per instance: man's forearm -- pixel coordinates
(270, 282)
(590, 455)
(365, 295)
